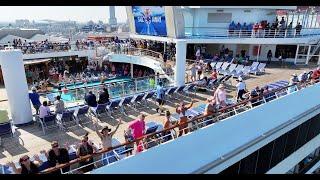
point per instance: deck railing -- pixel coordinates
(158, 137)
(210, 32)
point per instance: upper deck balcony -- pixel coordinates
(38, 51)
(267, 36)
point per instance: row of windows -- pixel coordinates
(271, 154)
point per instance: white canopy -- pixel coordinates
(10, 38)
(41, 37)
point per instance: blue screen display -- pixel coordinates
(150, 20)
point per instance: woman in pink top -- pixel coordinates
(138, 129)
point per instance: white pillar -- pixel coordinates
(308, 55)
(258, 53)
(180, 68)
(297, 51)
(15, 82)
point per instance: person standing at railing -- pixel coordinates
(106, 139)
(138, 127)
(298, 29)
(220, 96)
(181, 110)
(198, 54)
(231, 28)
(57, 155)
(26, 165)
(255, 29)
(85, 149)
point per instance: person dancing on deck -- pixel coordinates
(181, 110)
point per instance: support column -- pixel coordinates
(258, 53)
(180, 68)
(131, 70)
(308, 55)
(297, 51)
(15, 82)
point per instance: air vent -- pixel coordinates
(247, 11)
(220, 10)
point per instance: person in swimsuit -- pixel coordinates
(181, 110)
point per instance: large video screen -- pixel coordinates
(150, 20)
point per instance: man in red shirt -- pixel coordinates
(315, 74)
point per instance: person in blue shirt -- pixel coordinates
(35, 99)
(160, 96)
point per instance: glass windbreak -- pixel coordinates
(117, 88)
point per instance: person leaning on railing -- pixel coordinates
(106, 139)
(181, 110)
(84, 150)
(57, 155)
(27, 166)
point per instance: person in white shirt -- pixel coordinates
(241, 89)
(44, 110)
(220, 96)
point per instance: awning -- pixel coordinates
(35, 61)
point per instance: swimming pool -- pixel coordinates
(117, 87)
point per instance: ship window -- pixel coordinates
(219, 17)
(287, 51)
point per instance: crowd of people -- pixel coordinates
(264, 29)
(31, 47)
(137, 128)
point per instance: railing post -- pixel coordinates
(136, 85)
(123, 93)
(285, 33)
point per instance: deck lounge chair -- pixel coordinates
(238, 71)
(254, 68)
(48, 122)
(65, 119)
(231, 68)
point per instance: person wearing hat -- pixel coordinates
(35, 99)
(106, 135)
(106, 138)
(241, 88)
(294, 78)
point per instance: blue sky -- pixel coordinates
(62, 13)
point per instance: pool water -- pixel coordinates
(117, 87)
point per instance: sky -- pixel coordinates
(61, 13)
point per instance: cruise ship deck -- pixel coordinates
(31, 140)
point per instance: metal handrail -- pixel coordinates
(124, 49)
(253, 33)
(195, 119)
